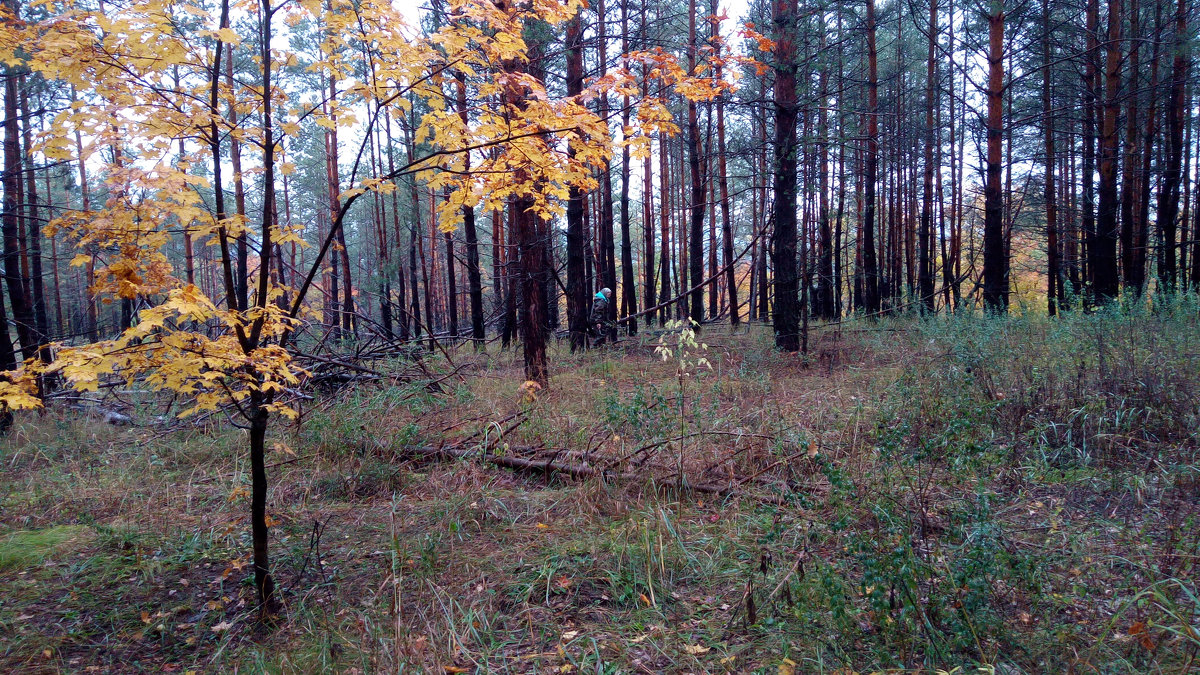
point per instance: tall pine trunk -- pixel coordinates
(786, 286)
(870, 270)
(1053, 274)
(696, 230)
(1168, 196)
(1103, 253)
(925, 255)
(995, 276)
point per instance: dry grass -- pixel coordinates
(900, 504)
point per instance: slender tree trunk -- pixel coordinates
(995, 277)
(451, 284)
(870, 267)
(763, 283)
(1168, 196)
(824, 305)
(1103, 252)
(10, 223)
(577, 289)
(1133, 281)
(474, 276)
(786, 286)
(628, 287)
(1053, 277)
(1088, 166)
(1145, 184)
(605, 224)
(696, 230)
(34, 223)
(726, 219)
(648, 260)
(259, 402)
(665, 227)
(239, 192)
(925, 255)
(401, 291)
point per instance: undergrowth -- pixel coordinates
(1012, 494)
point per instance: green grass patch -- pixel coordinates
(30, 548)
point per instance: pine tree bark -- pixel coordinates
(37, 287)
(577, 289)
(824, 301)
(695, 272)
(925, 255)
(731, 288)
(1103, 252)
(470, 232)
(786, 286)
(995, 276)
(665, 226)
(628, 287)
(10, 224)
(1053, 274)
(648, 260)
(1133, 278)
(1168, 196)
(1088, 159)
(870, 271)
(530, 248)
(608, 256)
(401, 290)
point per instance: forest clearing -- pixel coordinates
(560, 336)
(1017, 493)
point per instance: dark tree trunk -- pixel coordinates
(37, 288)
(995, 261)
(528, 239)
(870, 271)
(1141, 235)
(608, 247)
(401, 293)
(824, 305)
(10, 224)
(577, 289)
(1053, 275)
(474, 277)
(925, 255)
(1168, 196)
(1088, 168)
(1103, 252)
(786, 315)
(665, 225)
(696, 229)
(1134, 279)
(451, 284)
(628, 287)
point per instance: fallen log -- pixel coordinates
(552, 465)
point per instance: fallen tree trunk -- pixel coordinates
(553, 465)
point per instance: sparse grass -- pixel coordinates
(1020, 494)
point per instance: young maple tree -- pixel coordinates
(155, 111)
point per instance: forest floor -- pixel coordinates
(1005, 496)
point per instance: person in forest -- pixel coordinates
(598, 319)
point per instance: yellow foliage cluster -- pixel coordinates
(143, 74)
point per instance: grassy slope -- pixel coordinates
(1017, 493)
